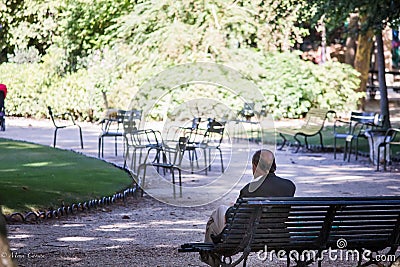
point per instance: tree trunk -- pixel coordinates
(363, 60)
(384, 102)
(351, 44)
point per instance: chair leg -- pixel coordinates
(180, 182)
(205, 161)
(334, 147)
(99, 147)
(197, 158)
(80, 135)
(350, 149)
(55, 137)
(179, 175)
(173, 175)
(126, 155)
(142, 182)
(222, 161)
(377, 164)
(209, 159)
(384, 157)
(180, 157)
(115, 145)
(133, 159)
(191, 158)
(356, 148)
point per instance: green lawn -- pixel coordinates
(36, 177)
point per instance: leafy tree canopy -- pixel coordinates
(376, 13)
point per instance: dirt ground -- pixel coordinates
(140, 232)
(147, 232)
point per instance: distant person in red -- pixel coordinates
(3, 93)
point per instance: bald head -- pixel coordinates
(263, 162)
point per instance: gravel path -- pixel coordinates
(147, 232)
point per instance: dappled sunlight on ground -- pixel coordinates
(140, 232)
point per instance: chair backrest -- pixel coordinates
(67, 117)
(378, 120)
(263, 111)
(192, 133)
(51, 115)
(247, 110)
(215, 132)
(362, 121)
(362, 117)
(182, 142)
(391, 134)
(131, 120)
(195, 123)
(368, 118)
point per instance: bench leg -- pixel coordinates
(306, 142)
(321, 141)
(284, 141)
(298, 143)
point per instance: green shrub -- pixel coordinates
(290, 85)
(25, 84)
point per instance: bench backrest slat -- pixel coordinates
(315, 118)
(314, 223)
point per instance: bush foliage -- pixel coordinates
(97, 55)
(290, 86)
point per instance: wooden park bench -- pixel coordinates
(314, 123)
(308, 226)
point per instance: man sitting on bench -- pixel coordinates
(265, 184)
